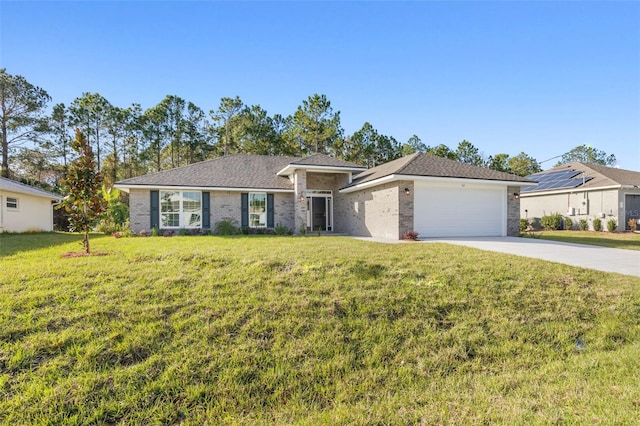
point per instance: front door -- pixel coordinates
(319, 211)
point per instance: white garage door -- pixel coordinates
(459, 210)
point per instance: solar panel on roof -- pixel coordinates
(559, 179)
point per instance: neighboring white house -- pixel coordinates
(25, 208)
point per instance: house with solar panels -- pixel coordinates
(583, 191)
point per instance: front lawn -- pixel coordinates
(621, 240)
(309, 330)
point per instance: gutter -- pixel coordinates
(396, 177)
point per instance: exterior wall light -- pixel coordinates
(516, 195)
(407, 191)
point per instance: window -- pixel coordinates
(180, 209)
(12, 203)
(257, 210)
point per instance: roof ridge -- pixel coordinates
(410, 159)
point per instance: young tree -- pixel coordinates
(589, 155)
(83, 202)
(21, 108)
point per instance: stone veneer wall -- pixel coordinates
(513, 211)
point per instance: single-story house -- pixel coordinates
(583, 191)
(25, 208)
(434, 196)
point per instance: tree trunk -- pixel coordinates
(85, 242)
(5, 145)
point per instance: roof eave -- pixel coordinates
(127, 188)
(399, 177)
(290, 168)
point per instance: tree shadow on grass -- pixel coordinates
(12, 243)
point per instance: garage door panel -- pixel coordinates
(451, 210)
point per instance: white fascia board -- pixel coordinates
(369, 184)
(392, 178)
(199, 188)
(319, 169)
(467, 180)
(569, 191)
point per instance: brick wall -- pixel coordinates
(382, 211)
(513, 211)
(139, 206)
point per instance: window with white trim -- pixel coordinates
(12, 203)
(257, 209)
(180, 209)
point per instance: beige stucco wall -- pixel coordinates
(224, 205)
(604, 204)
(33, 213)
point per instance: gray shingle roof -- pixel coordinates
(21, 188)
(232, 171)
(420, 164)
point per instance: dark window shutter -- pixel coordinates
(270, 211)
(155, 210)
(206, 210)
(244, 207)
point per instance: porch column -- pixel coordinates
(300, 185)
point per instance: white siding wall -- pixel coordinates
(33, 213)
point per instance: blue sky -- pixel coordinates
(538, 77)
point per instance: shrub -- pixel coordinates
(597, 224)
(107, 226)
(280, 229)
(524, 225)
(410, 235)
(226, 227)
(551, 222)
(568, 223)
(633, 224)
(583, 224)
(612, 225)
(155, 232)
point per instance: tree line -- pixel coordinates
(130, 141)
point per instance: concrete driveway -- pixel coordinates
(605, 259)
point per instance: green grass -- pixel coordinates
(313, 330)
(625, 240)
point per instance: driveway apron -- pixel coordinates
(605, 259)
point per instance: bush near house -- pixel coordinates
(612, 225)
(551, 222)
(583, 224)
(568, 223)
(597, 224)
(633, 224)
